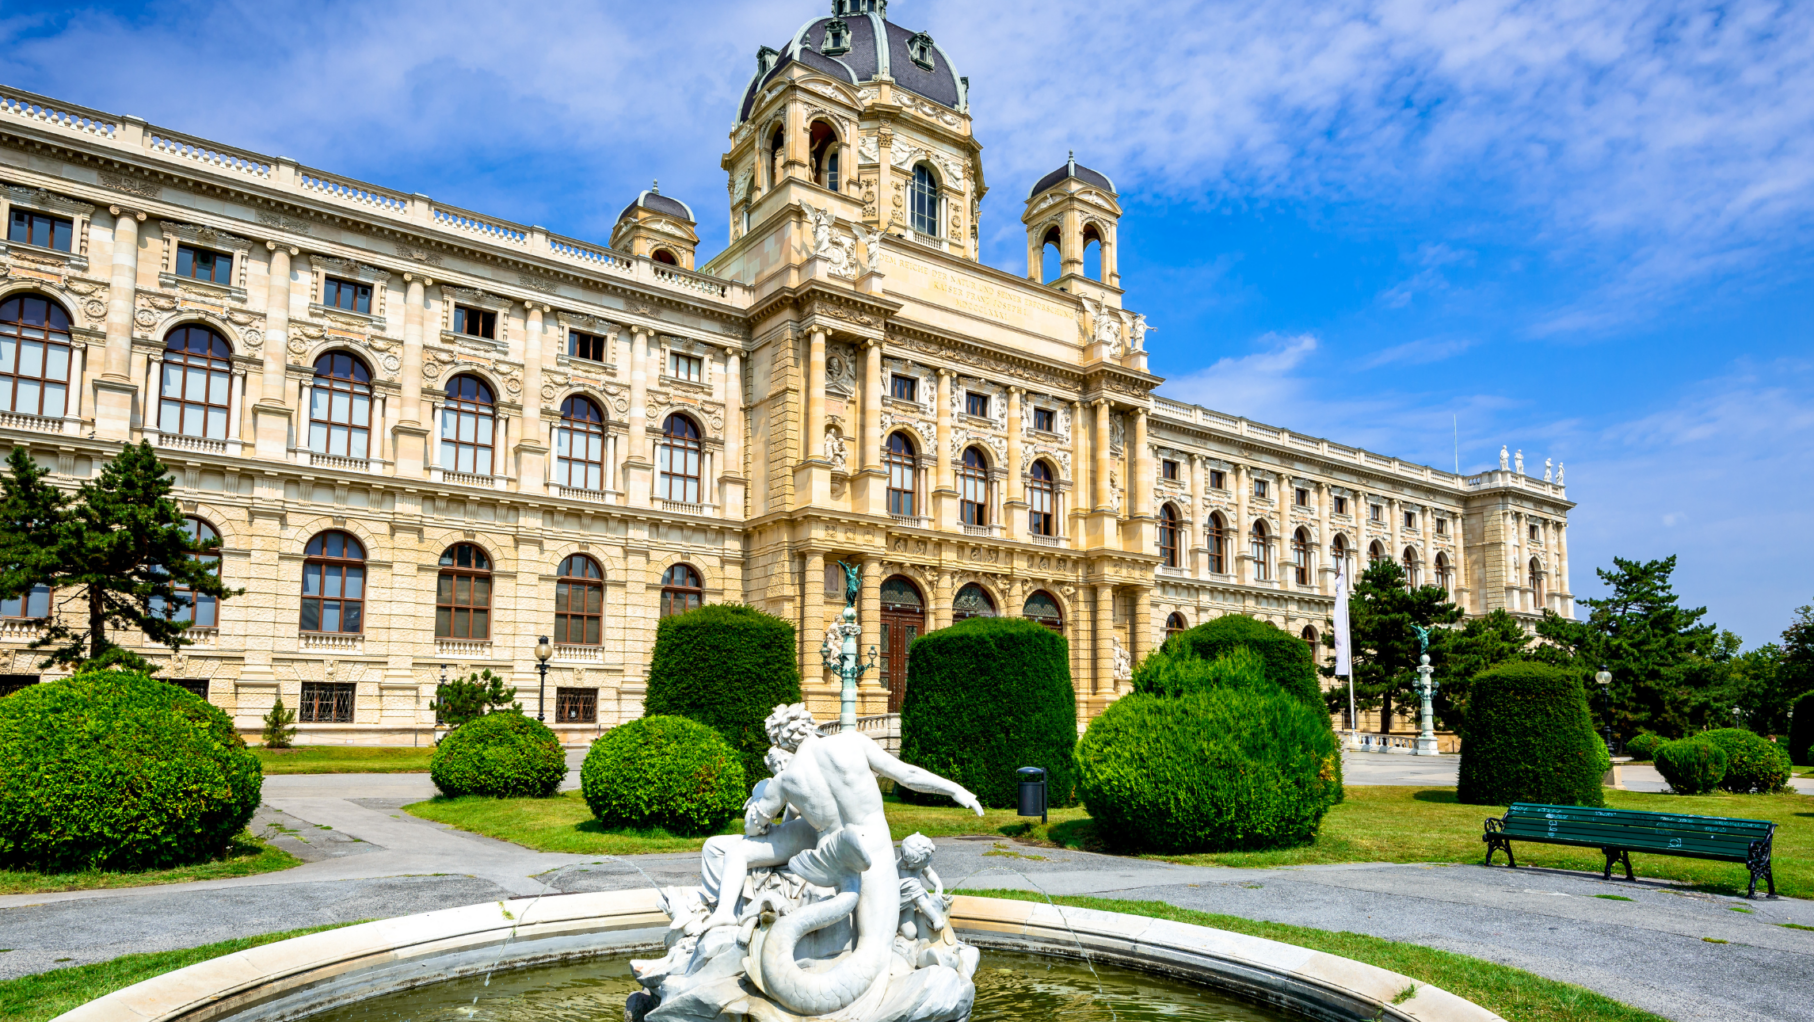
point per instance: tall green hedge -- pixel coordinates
(1801, 732)
(1217, 769)
(727, 666)
(667, 772)
(117, 770)
(504, 755)
(985, 697)
(1528, 738)
(1289, 663)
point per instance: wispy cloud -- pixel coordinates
(1421, 352)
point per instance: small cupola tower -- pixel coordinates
(1071, 209)
(659, 227)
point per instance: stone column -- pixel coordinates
(944, 496)
(1014, 481)
(813, 445)
(636, 472)
(1241, 534)
(869, 615)
(1070, 243)
(1395, 515)
(115, 390)
(1099, 445)
(270, 415)
(1140, 469)
(1080, 469)
(812, 626)
(1561, 531)
(1464, 594)
(1103, 653)
(1323, 563)
(1195, 521)
(944, 591)
(532, 448)
(730, 484)
(884, 177)
(1140, 629)
(872, 404)
(412, 434)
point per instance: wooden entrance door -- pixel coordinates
(903, 620)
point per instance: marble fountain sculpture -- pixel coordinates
(813, 913)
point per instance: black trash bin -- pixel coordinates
(1033, 792)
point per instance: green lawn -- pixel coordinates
(1374, 824)
(46, 995)
(246, 856)
(346, 759)
(1514, 994)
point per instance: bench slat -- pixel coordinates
(1619, 832)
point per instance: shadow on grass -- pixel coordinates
(1444, 795)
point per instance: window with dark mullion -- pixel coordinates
(576, 705)
(587, 346)
(344, 294)
(41, 230)
(326, 703)
(201, 264)
(475, 322)
(976, 404)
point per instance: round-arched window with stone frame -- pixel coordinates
(579, 602)
(340, 406)
(972, 601)
(34, 356)
(463, 594)
(1041, 608)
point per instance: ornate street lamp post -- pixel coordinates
(843, 656)
(1426, 737)
(1603, 678)
(542, 652)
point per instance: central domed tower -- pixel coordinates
(858, 115)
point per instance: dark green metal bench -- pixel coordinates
(1619, 832)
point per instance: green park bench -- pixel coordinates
(1619, 832)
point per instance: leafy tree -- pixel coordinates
(1659, 653)
(1795, 661)
(469, 698)
(118, 549)
(279, 729)
(1381, 616)
(1480, 644)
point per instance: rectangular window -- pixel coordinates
(199, 686)
(1442, 526)
(43, 231)
(10, 683)
(1217, 481)
(834, 579)
(1045, 420)
(34, 605)
(586, 346)
(1375, 513)
(1259, 487)
(344, 294)
(201, 264)
(1168, 469)
(904, 388)
(1536, 533)
(475, 322)
(326, 703)
(576, 705)
(1303, 497)
(1341, 505)
(686, 367)
(976, 404)
(1410, 519)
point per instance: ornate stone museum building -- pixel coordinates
(426, 436)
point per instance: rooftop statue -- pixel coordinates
(812, 913)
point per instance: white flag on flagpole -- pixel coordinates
(1344, 650)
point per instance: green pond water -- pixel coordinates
(1009, 988)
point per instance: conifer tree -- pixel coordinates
(115, 554)
(1381, 614)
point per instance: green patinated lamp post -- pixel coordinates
(1426, 737)
(844, 658)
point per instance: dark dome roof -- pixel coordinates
(651, 198)
(864, 60)
(1077, 170)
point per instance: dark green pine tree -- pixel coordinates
(1381, 613)
(1655, 649)
(1481, 643)
(116, 555)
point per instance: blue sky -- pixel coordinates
(1580, 230)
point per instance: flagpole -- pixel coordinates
(1344, 660)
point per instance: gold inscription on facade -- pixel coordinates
(968, 294)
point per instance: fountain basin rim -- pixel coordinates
(291, 978)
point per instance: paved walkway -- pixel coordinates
(368, 859)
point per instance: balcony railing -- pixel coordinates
(331, 642)
(337, 461)
(178, 442)
(463, 648)
(912, 521)
(982, 530)
(20, 629)
(1166, 569)
(681, 507)
(1059, 541)
(575, 493)
(31, 423)
(580, 654)
(469, 479)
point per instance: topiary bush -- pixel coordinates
(1214, 770)
(1289, 663)
(985, 697)
(1801, 732)
(667, 772)
(1528, 738)
(1691, 766)
(1753, 763)
(117, 770)
(1176, 672)
(727, 666)
(1644, 746)
(503, 755)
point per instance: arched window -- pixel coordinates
(823, 143)
(1258, 547)
(973, 487)
(1309, 635)
(1092, 252)
(1375, 552)
(1300, 557)
(1168, 535)
(1342, 559)
(1445, 574)
(677, 461)
(925, 201)
(467, 417)
(463, 594)
(333, 584)
(777, 157)
(665, 257)
(198, 383)
(579, 602)
(1536, 581)
(972, 601)
(579, 445)
(1409, 562)
(1051, 260)
(340, 407)
(1175, 623)
(198, 608)
(1042, 500)
(903, 619)
(681, 590)
(903, 472)
(1042, 609)
(34, 357)
(1218, 544)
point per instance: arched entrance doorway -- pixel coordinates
(903, 620)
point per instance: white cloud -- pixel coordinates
(1420, 352)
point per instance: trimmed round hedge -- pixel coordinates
(727, 666)
(1692, 766)
(504, 755)
(1754, 764)
(1529, 739)
(985, 697)
(1801, 732)
(1289, 663)
(1644, 746)
(1216, 770)
(117, 770)
(667, 772)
